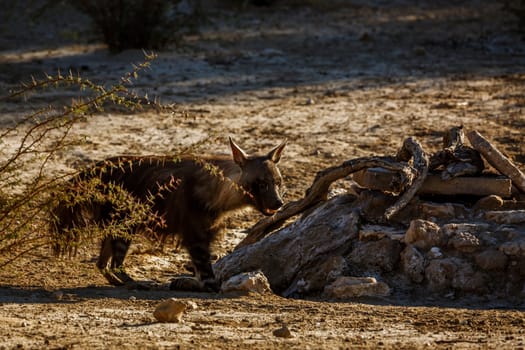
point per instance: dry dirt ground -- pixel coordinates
(338, 82)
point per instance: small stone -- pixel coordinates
(435, 253)
(514, 248)
(132, 298)
(377, 232)
(424, 234)
(58, 295)
(254, 281)
(191, 305)
(383, 254)
(413, 263)
(283, 332)
(439, 274)
(464, 242)
(351, 287)
(170, 310)
(310, 101)
(437, 210)
(492, 202)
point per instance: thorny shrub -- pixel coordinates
(30, 187)
(140, 24)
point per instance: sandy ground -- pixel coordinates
(338, 83)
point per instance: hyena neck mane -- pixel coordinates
(225, 183)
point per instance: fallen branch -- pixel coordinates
(381, 180)
(318, 192)
(456, 159)
(501, 163)
(411, 149)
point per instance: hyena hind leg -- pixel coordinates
(114, 250)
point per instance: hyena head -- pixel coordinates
(260, 177)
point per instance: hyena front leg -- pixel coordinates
(114, 250)
(198, 242)
(120, 249)
(201, 259)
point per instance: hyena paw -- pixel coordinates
(192, 284)
(117, 277)
(212, 285)
(111, 278)
(188, 284)
(122, 275)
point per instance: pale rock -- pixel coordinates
(437, 210)
(424, 234)
(492, 202)
(413, 263)
(468, 280)
(377, 232)
(439, 274)
(58, 295)
(491, 260)
(514, 248)
(464, 242)
(435, 253)
(254, 281)
(353, 287)
(506, 216)
(170, 310)
(449, 230)
(383, 254)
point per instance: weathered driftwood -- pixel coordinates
(411, 149)
(505, 216)
(456, 159)
(301, 248)
(475, 186)
(497, 159)
(381, 179)
(319, 190)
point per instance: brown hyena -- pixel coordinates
(187, 195)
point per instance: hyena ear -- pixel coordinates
(239, 156)
(275, 154)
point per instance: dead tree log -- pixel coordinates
(319, 190)
(381, 180)
(501, 163)
(456, 159)
(299, 249)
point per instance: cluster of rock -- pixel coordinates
(469, 255)
(429, 249)
(454, 237)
